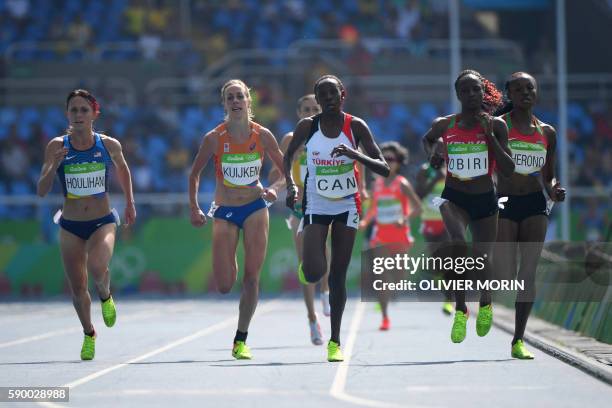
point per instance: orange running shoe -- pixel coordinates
(386, 324)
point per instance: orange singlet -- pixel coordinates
(390, 206)
(237, 165)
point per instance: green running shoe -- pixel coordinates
(484, 320)
(109, 313)
(301, 276)
(88, 350)
(447, 308)
(459, 324)
(334, 354)
(241, 351)
(520, 351)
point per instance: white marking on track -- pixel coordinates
(201, 333)
(72, 329)
(337, 389)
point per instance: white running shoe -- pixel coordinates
(325, 301)
(316, 336)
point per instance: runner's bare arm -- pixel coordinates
(497, 128)
(275, 154)
(205, 152)
(552, 185)
(54, 154)
(299, 138)
(432, 139)
(372, 158)
(124, 176)
(274, 172)
(415, 202)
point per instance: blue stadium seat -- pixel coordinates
(27, 117)
(4, 210)
(19, 187)
(399, 114)
(428, 111)
(8, 115)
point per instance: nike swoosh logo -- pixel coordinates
(449, 136)
(70, 157)
(98, 225)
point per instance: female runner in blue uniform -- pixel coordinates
(82, 159)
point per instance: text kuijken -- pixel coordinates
(241, 172)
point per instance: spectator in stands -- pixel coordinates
(150, 43)
(135, 18)
(14, 157)
(408, 17)
(168, 114)
(19, 10)
(79, 33)
(593, 220)
(141, 170)
(603, 124)
(177, 162)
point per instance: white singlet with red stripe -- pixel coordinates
(332, 183)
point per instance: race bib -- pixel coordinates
(528, 157)
(85, 179)
(468, 160)
(389, 211)
(240, 169)
(336, 182)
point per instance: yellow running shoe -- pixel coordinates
(447, 308)
(109, 313)
(458, 330)
(334, 354)
(484, 320)
(88, 350)
(241, 351)
(520, 351)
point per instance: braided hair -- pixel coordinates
(492, 98)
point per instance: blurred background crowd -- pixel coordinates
(157, 66)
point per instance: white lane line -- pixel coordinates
(229, 392)
(73, 329)
(39, 337)
(337, 389)
(474, 388)
(204, 332)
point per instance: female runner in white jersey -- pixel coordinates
(306, 106)
(331, 191)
